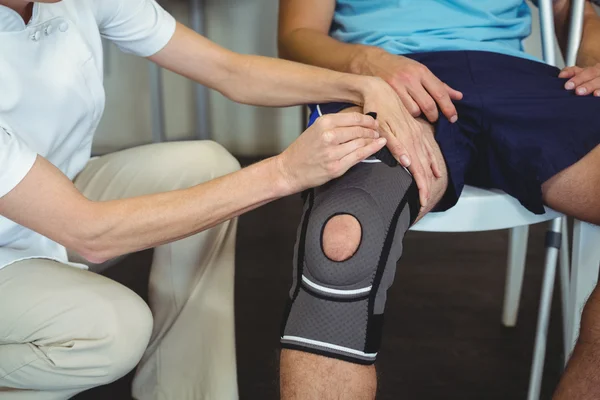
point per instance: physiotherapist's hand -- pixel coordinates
(327, 149)
(420, 90)
(404, 134)
(584, 81)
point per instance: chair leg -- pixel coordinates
(565, 268)
(553, 242)
(517, 250)
(584, 273)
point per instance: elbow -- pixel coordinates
(89, 240)
(92, 254)
(234, 74)
(283, 45)
(237, 96)
(91, 249)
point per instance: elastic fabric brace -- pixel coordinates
(336, 308)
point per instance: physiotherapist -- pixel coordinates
(64, 329)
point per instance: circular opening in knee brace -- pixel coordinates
(341, 237)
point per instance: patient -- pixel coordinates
(481, 112)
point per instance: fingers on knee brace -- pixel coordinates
(336, 308)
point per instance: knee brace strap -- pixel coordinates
(336, 308)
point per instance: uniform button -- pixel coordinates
(64, 27)
(49, 29)
(36, 36)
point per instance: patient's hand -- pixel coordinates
(584, 81)
(405, 136)
(420, 90)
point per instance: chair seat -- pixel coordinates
(482, 210)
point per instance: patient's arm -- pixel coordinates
(584, 77)
(589, 50)
(303, 36)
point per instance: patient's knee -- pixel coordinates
(341, 237)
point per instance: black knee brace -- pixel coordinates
(336, 308)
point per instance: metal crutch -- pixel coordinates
(554, 240)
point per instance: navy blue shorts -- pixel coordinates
(517, 125)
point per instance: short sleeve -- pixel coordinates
(16, 160)
(140, 27)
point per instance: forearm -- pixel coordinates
(257, 80)
(589, 50)
(274, 82)
(317, 48)
(144, 222)
(103, 230)
(562, 15)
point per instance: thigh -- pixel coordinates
(43, 302)
(532, 130)
(154, 168)
(574, 191)
(63, 327)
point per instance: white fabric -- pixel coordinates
(16, 160)
(52, 95)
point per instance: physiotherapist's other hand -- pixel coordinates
(584, 81)
(404, 134)
(420, 90)
(328, 148)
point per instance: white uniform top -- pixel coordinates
(51, 92)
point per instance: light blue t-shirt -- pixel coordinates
(413, 26)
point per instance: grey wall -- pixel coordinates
(246, 26)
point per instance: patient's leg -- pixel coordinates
(581, 380)
(323, 356)
(574, 191)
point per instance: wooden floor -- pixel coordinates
(443, 338)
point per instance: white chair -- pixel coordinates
(486, 210)
(483, 210)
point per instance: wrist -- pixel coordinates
(372, 88)
(360, 87)
(587, 58)
(284, 182)
(362, 60)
